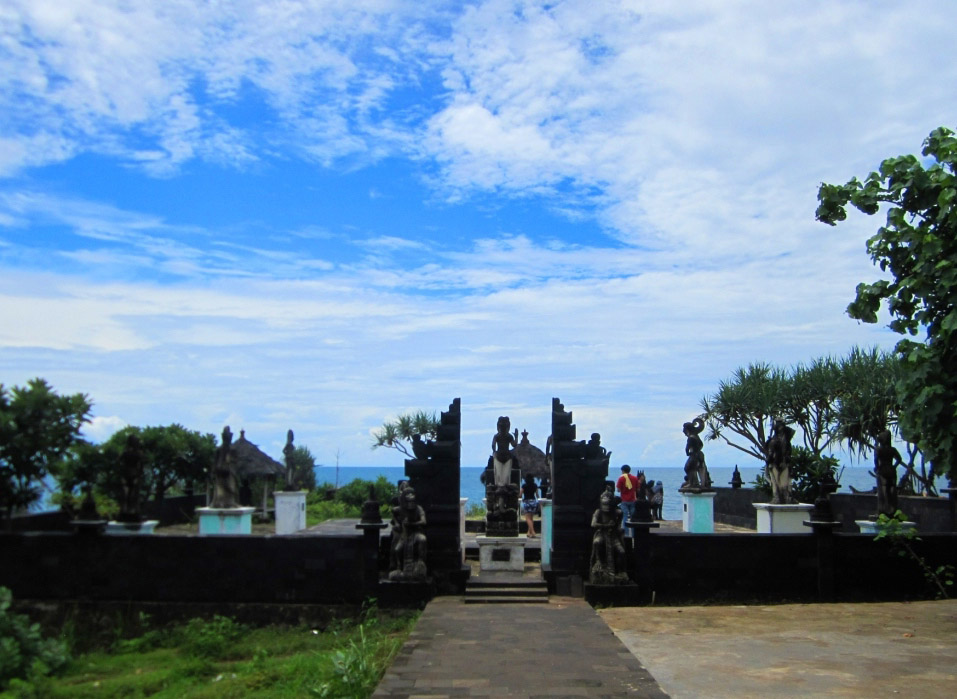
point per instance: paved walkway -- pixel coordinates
(559, 649)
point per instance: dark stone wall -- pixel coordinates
(184, 569)
(695, 568)
(735, 506)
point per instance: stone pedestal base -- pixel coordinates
(290, 511)
(233, 520)
(869, 526)
(782, 519)
(697, 511)
(501, 553)
(131, 528)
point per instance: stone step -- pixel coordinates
(506, 600)
(523, 591)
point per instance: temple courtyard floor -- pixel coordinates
(565, 649)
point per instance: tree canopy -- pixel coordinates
(398, 433)
(917, 247)
(37, 429)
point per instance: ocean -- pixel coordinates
(470, 487)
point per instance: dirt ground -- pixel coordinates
(796, 650)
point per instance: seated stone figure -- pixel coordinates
(608, 563)
(595, 453)
(778, 468)
(408, 552)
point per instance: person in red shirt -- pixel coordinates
(627, 486)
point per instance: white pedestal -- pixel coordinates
(501, 553)
(782, 519)
(146, 528)
(697, 512)
(869, 526)
(290, 511)
(233, 520)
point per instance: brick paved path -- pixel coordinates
(559, 649)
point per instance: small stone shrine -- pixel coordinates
(579, 472)
(434, 474)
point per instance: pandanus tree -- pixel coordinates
(398, 434)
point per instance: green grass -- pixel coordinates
(220, 658)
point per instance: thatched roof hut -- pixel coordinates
(250, 462)
(531, 459)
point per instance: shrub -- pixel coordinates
(210, 639)
(23, 651)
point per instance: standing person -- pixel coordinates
(529, 503)
(628, 488)
(657, 498)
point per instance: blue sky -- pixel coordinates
(318, 215)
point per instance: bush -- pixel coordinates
(24, 653)
(357, 492)
(210, 639)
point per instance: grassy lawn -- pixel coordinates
(220, 658)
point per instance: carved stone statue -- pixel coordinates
(696, 471)
(608, 563)
(886, 458)
(595, 453)
(777, 470)
(408, 551)
(131, 479)
(225, 486)
(502, 444)
(288, 451)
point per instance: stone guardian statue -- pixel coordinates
(225, 485)
(408, 554)
(608, 563)
(777, 469)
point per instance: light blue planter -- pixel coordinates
(231, 521)
(697, 512)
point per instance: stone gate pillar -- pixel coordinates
(578, 479)
(435, 476)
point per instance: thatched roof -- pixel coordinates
(531, 459)
(250, 462)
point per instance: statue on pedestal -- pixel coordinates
(608, 562)
(777, 471)
(131, 479)
(408, 550)
(502, 444)
(225, 486)
(696, 472)
(886, 458)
